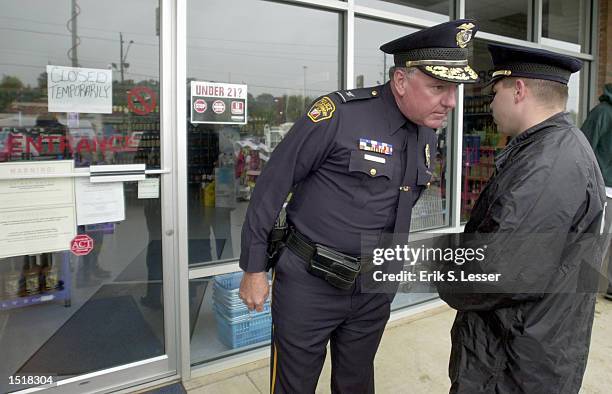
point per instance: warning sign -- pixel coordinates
(227, 103)
(81, 245)
(200, 106)
(141, 100)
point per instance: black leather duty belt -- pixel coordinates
(338, 269)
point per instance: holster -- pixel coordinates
(276, 242)
(338, 269)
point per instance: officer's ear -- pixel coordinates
(400, 79)
(520, 90)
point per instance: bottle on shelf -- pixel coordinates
(49, 273)
(31, 276)
(12, 282)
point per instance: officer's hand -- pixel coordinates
(254, 290)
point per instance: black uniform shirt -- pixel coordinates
(341, 190)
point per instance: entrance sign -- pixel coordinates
(37, 215)
(218, 103)
(75, 89)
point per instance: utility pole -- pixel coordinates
(304, 89)
(121, 55)
(72, 52)
(122, 64)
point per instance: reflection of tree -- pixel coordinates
(263, 108)
(267, 109)
(10, 88)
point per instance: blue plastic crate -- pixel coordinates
(237, 311)
(244, 330)
(232, 280)
(229, 281)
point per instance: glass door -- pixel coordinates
(81, 246)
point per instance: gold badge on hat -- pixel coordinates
(427, 156)
(465, 34)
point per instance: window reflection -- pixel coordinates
(130, 134)
(508, 18)
(431, 10)
(53, 324)
(287, 56)
(563, 20)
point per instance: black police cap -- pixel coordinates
(439, 51)
(512, 61)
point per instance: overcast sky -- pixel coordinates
(272, 47)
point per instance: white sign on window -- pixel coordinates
(75, 89)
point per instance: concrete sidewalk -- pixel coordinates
(413, 358)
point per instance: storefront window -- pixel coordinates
(481, 141)
(509, 18)
(430, 10)
(84, 93)
(563, 20)
(285, 58)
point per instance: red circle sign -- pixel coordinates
(81, 245)
(200, 106)
(218, 107)
(143, 95)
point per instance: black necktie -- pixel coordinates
(407, 192)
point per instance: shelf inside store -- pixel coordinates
(466, 114)
(57, 295)
(478, 178)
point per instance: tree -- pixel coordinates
(10, 88)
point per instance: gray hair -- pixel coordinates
(408, 70)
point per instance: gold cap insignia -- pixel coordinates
(465, 34)
(322, 109)
(427, 155)
(502, 72)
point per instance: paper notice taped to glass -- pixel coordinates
(149, 188)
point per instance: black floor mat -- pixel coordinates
(105, 332)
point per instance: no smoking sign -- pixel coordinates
(141, 100)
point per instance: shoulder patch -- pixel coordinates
(357, 94)
(323, 109)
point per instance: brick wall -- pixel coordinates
(604, 72)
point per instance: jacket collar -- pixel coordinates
(561, 118)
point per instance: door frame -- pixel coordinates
(163, 368)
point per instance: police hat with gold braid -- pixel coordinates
(439, 51)
(512, 61)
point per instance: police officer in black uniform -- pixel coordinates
(356, 163)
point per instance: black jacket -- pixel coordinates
(540, 217)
